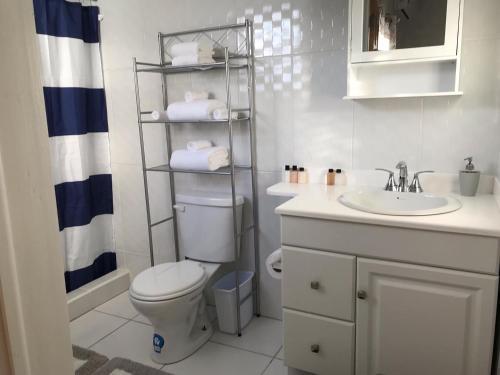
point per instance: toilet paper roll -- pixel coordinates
(273, 264)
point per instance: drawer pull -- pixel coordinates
(315, 348)
(362, 294)
(315, 285)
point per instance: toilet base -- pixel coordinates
(181, 324)
(176, 353)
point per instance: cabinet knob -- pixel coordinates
(315, 285)
(362, 294)
(315, 348)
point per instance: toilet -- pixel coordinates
(171, 295)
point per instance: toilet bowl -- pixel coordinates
(171, 296)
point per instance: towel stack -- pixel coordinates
(191, 53)
(200, 156)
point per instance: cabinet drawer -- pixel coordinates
(317, 344)
(425, 247)
(319, 282)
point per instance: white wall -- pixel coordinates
(33, 297)
(301, 117)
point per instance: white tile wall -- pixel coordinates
(301, 117)
(386, 131)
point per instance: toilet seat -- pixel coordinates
(168, 281)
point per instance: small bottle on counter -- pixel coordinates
(340, 177)
(294, 175)
(469, 179)
(303, 176)
(286, 174)
(330, 177)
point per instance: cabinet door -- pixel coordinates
(380, 32)
(414, 320)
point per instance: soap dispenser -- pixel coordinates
(469, 179)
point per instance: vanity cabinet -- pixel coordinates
(371, 300)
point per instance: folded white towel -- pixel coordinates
(221, 114)
(207, 159)
(192, 60)
(159, 115)
(199, 145)
(190, 96)
(195, 110)
(190, 48)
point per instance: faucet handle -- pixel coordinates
(391, 182)
(415, 186)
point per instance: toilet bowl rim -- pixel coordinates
(169, 297)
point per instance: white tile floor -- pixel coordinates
(115, 329)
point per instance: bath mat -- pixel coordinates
(122, 366)
(86, 362)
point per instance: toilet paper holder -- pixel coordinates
(273, 264)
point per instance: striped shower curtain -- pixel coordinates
(68, 35)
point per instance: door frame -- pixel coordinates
(31, 266)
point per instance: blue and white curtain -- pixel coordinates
(68, 34)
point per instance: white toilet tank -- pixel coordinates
(205, 225)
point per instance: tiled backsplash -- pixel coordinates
(301, 48)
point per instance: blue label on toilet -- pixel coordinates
(158, 343)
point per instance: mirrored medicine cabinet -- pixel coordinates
(404, 48)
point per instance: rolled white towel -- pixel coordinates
(190, 48)
(159, 115)
(192, 60)
(199, 145)
(190, 96)
(221, 114)
(207, 159)
(195, 110)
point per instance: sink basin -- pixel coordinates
(401, 204)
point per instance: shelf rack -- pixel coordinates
(238, 56)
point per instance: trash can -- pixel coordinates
(225, 300)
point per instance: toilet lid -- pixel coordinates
(168, 280)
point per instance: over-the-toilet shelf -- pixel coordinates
(230, 50)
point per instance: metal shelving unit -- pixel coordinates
(237, 56)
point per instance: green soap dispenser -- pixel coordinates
(469, 179)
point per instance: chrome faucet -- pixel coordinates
(415, 186)
(391, 182)
(402, 186)
(403, 176)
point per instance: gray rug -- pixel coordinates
(88, 362)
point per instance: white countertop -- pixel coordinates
(479, 215)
